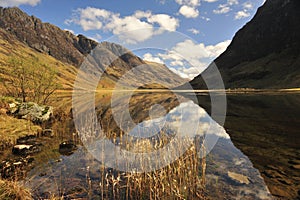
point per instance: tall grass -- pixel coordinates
(11, 190)
(182, 179)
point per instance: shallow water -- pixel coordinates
(264, 128)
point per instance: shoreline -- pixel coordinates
(227, 91)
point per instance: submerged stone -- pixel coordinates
(238, 178)
(67, 147)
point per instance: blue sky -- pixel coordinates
(201, 29)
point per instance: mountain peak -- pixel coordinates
(45, 37)
(265, 53)
(15, 25)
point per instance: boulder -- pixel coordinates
(13, 107)
(28, 139)
(15, 167)
(48, 133)
(67, 147)
(34, 112)
(25, 149)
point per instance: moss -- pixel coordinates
(45, 110)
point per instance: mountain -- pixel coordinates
(30, 32)
(265, 53)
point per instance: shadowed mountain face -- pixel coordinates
(265, 53)
(15, 25)
(266, 129)
(45, 37)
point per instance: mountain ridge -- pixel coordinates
(71, 49)
(265, 53)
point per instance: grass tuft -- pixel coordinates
(11, 190)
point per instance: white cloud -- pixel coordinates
(241, 14)
(192, 3)
(188, 8)
(222, 9)
(225, 8)
(232, 2)
(210, 1)
(194, 31)
(216, 50)
(248, 5)
(189, 59)
(188, 11)
(11, 3)
(149, 57)
(97, 37)
(165, 21)
(132, 28)
(69, 30)
(88, 24)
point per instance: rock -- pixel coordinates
(238, 178)
(285, 181)
(296, 167)
(294, 162)
(47, 133)
(28, 139)
(15, 168)
(34, 112)
(67, 148)
(13, 107)
(25, 149)
(42, 174)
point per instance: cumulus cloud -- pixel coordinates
(189, 59)
(194, 31)
(205, 18)
(188, 11)
(151, 58)
(216, 50)
(193, 3)
(210, 1)
(11, 3)
(248, 5)
(225, 8)
(133, 28)
(222, 9)
(241, 14)
(188, 8)
(232, 2)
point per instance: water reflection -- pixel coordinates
(164, 129)
(265, 127)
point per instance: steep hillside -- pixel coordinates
(265, 53)
(68, 48)
(10, 47)
(45, 37)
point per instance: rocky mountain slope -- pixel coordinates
(17, 27)
(265, 53)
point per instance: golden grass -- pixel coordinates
(182, 179)
(11, 128)
(11, 190)
(67, 73)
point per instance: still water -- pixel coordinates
(254, 157)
